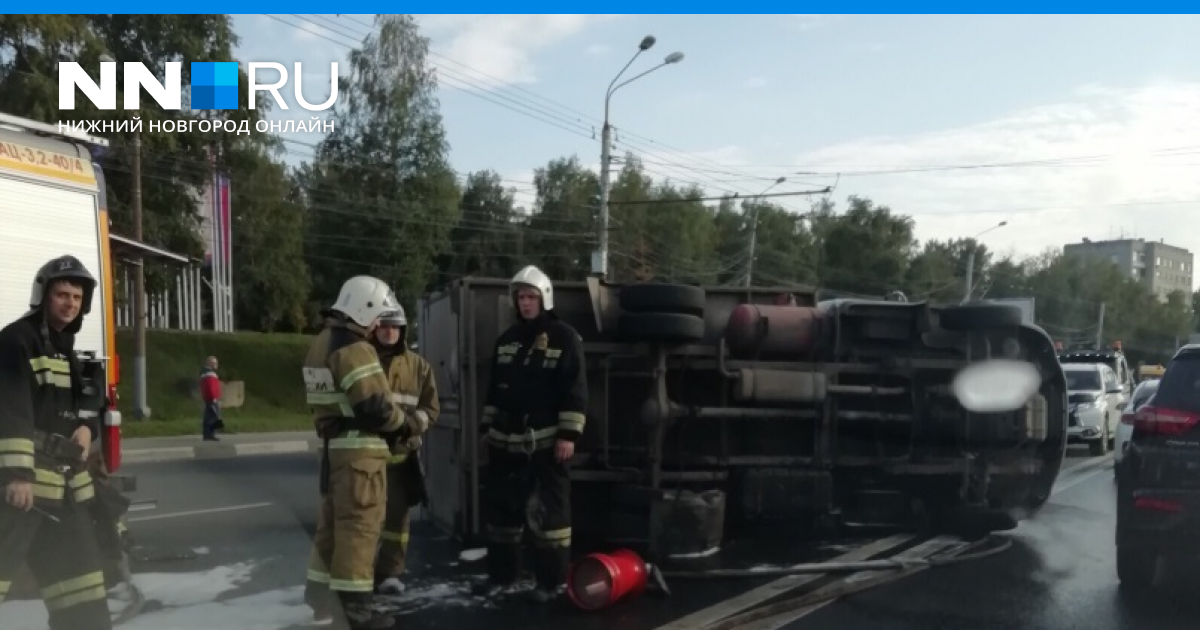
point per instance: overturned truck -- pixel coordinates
(772, 406)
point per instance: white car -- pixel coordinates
(1142, 395)
(1093, 400)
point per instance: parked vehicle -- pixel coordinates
(1095, 401)
(1142, 395)
(1113, 357)
(834, 413)
(1158, 484)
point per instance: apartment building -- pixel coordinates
(1160, 267)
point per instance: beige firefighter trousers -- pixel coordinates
(349, 525)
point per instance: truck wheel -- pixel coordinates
(663, 298)
(968, 317)
(660, 327)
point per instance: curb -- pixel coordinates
(216, 451)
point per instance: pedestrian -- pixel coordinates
(355, 417)
(210, 391)
(414, 389)
(534, 412)
(44, 442)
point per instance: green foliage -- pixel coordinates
(380, 197)
(268, 365)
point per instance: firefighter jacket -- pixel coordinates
(538, 391)
(348, 391)
(40, 384)
(414, 389)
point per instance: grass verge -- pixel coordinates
(268, 364)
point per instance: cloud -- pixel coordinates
(1104, 162)
(755, 82)
(807, 22)
(597, 50)
(500, 46)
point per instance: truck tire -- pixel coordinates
(663, 298)
(968, 317)
(660, 327)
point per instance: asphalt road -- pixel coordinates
(1060, 573)
(238, 530)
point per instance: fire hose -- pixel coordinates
(895, 568)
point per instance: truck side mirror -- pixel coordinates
(996, 386)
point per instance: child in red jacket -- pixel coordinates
(210, 391)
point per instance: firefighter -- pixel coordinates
(44, 442)
(533, 414)
(355, 417)
(414, 389)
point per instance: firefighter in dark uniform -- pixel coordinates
(45, 519)
(355, 417)
(414, 389)
(534, 412)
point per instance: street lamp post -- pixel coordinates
(600, 258)
(754, 228)
(970, 279)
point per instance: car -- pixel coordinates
(1158, 483)
(1142, 395)
(1093, 398)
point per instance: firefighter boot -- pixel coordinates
(360, 615)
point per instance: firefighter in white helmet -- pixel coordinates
(414, 389)
(534, 412)
(355, 416)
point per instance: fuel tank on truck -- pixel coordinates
(770, 331)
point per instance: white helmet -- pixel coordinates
(363, 299)
(394, 316)
(533, 277)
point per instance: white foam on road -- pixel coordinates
(188, 602)
(471, 555)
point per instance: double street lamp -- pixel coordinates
(600, 258)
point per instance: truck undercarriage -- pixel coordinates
(714, 410)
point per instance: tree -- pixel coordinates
(380, 194)
(271, 282)
(559, 233)
(866, 250)
(487, 239)
(176, 165)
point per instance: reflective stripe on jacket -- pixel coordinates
(415, 390)
(345, 384)
(538, 392)
(38, 386)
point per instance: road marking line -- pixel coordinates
(1083, 462)
(743, 601)
(231, 508)
(1078, 479)
(923, 550)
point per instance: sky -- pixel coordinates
(1065, 127)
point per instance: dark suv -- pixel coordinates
(1158, 484)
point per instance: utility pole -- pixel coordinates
(755, 201)
(141, 410)
(600, 264)
(970, 279)
(1100, 329)
(600, 256)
